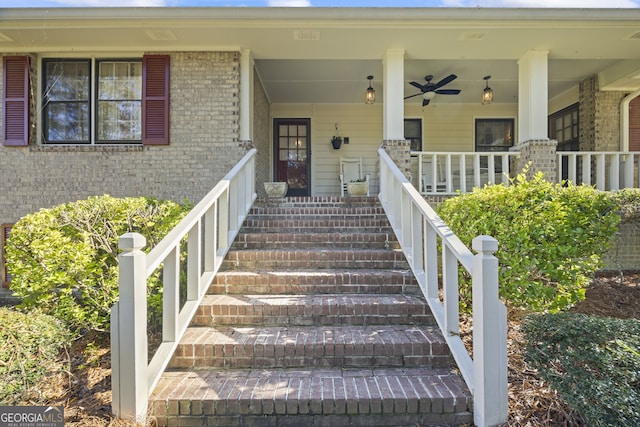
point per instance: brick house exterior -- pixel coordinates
(209, 104)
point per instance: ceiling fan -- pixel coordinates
(429, 90)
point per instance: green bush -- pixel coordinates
(628, 202)
(29, 348)
(551, 237)
(593, 362)
(64, 259)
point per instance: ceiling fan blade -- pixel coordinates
(448, 91)
(417, 85)
(446, 80)
(425, 102)
(411, 96)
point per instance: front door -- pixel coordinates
(292, 142)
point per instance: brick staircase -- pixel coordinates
(313, 320)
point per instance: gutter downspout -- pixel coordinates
(624, 120)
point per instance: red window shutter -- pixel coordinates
(15, 101)
(155, 100)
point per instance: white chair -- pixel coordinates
(428, 173)
(351, 170)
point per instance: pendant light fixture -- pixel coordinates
(487, 92)
(370, 94)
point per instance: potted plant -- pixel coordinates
(358, 187)
(276, 189)
(336, 141)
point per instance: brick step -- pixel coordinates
(365, 281)
(298, 310)
(294, 224)
(282, 259)
(315, 240)
(319, 201)
(317, 346)
(312, 397)
(341, 210)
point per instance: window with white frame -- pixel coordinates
(92, 101)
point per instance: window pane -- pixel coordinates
(120, 80)
(120, 120)
(67, 81)
(66, 101)
(119, 101)
(494, 134)
(413, 133)
(67, 122)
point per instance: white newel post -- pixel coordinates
(490, 404)
(129, 332)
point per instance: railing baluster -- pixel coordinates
(628, 170)
(416, 239)
(463, 173)
(450, 291)
(492, 169)
(194, 262)
(600, 172)
(477, 177)
(405, 222)
(222, 215)
(505, 169)
(211, 231)
(435, 168)
(171, 295)
(586, 168)
(614, 172)
(431, 256)
(573, 169)
(449, 175)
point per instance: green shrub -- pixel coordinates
(628, 202)
(64, 259)
(551, 237)
(29, 348)
(593, 362)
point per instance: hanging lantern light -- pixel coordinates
(370, 94)
(487, 92)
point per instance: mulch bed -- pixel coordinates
(532, 402)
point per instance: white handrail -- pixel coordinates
(209, 229)
(418, 229)
(606, 170)
(453, 172)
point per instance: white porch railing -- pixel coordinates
(418, 229)
(450, 172)
(209, 229)
(607, 171)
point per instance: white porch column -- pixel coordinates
(246, 95)
(393, 116)
(533, 95)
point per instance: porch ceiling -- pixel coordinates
(323, 55)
